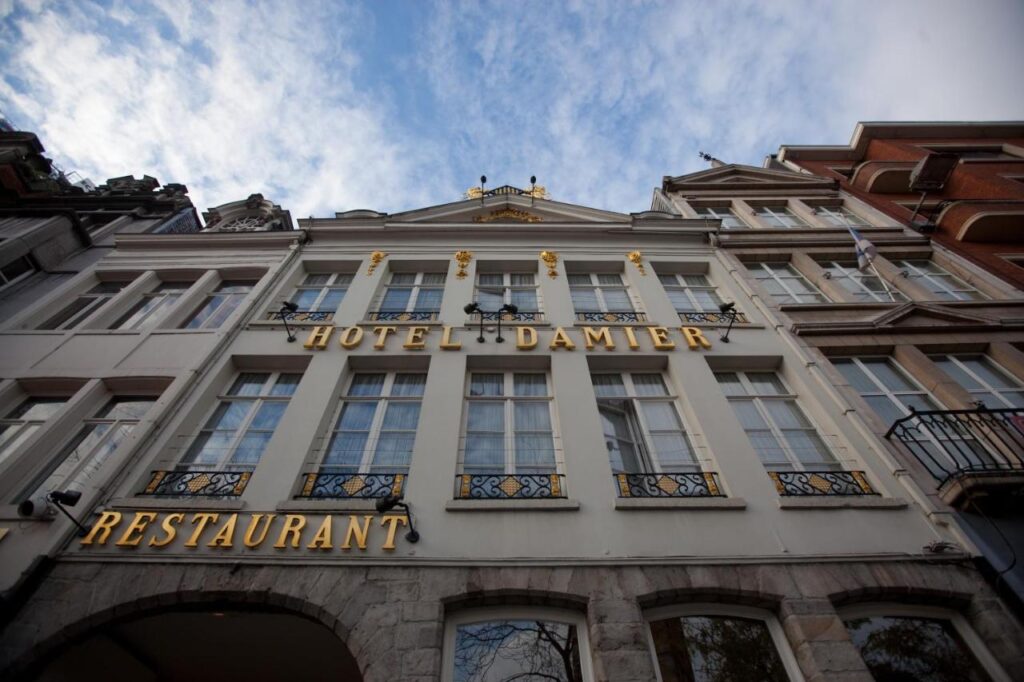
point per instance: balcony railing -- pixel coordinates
(508, 486)
(511, 317)
(690, 484)
(197, 483)
(702, 317)
(617, 316)
(302, 316)
(953, 444)
(323, 485)
(821, 483)
(403, 316)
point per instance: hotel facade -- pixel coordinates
(606, 471)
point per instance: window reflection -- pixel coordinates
(528, 650)
(716, 649)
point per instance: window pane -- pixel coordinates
(268, 416)
(490, 279)
(497, 651)
(486, 416)
(356, 416)
(251, 448)
(617, 300)
(126, 408)
(248, 383)
(716, 649)
(486, 384)
(396, 299)
(317, 279)
(286, 384)
(429, 300)
(855, 376)
(608, 385)
(305, 298)
(393, 451)
(903, 648)
(525, 300)
(366, 385)
(401, 416)
(989, 373)
(331, 300)
(530, 385)
(615, 280)
(891, 377)
(346, 450)
(523, 279)
(649, 384)
(730, 383)
(409, 385)
(491, 300)
(660, 416)
(229, 415)
(766, 383)
(673, 451)
(584, 300)
(786, 414)
(37, 409)
(535, 453)
(485, 453)
(433, 278)
(532, 416)
(403, 278)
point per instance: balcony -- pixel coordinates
(301, 316)
(812, 483)
(197, 483)
(966, 450)
(521, 316)
(690, 484)
(701, 317)
(508, 486)
(403, 316)
(615, 316)
(325, 485)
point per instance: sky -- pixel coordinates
(391, 106)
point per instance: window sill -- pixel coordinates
(842, 502)
(551, 504)
(335, 504)
(655, 503)
(190, 503)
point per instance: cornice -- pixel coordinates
(210, 240)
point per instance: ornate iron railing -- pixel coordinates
(512, 317)
(619, 316)
(403, 316)
(197, 483)
(690, 484)
(508, 486)
(302, 316)
(821, 483)
(701, 317)
(954, 443)
(321, 484)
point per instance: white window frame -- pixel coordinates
(544, 613)
(507, 288)
(839, 216)
(94, 302)
(770, 215)
(778, 635)
(970, 638)
(912, 271)
(331, 284)
(723, 213)
(598, 290)
(687, 290)
(793, 273)
(839, 271)
(17, 437)
(414, 295)
(987, 388)
(169, 300)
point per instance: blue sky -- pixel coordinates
(392, 105)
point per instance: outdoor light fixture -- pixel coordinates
(483, 187)
(509, 308)
(386, 504)
(38, 507)
(730, 310)
(288, 307)
(474, 307)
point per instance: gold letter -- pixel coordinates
(414, 339)
(102, 527)
(446, 340)
(695, 337)
(293, 525)
(322, 539)
(561, 340)
(631, 338)
(169, 529)
(138, 525)
(318, 337)
(351, 337)
(226, 535)
(382, 335)
(590, 337)
(359, 533)
(202, 520)
(659, 335)
(254, 524)
(526, 338)
(392, 523)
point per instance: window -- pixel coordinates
(783, 437)
(414, 292)
(986, 381)
(219, 305)
(730, 221)
(376, 426)
(92, 446)
(719, 643)
(322, 292)
(691, 293)
(839, 216)
(84, 306)
(866, 287)
(945, 286)
(779, 217)
(599, 293)
(494, 290)
(642, 429)
(153, 306)
(15, 271)
(235, 436)
(508, 424)
(785, 284)
(23, 421)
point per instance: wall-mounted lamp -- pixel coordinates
(288, 308)
(728, 309)
(39, 507)
(509, 308)
(474, 307)
(386, 504)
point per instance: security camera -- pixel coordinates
(37, 507)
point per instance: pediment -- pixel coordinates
(736, 176)
(509, 209)
(925, 315)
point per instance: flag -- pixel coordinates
(866, 251)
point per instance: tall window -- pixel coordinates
(642, 429)
(839, 216)
(785, 284)
(92, 445)
(783, 436)
(779, 217)
(494, 290)
(944, 285)
(419, 292)
(508, 424)
(85, 305)
(235, 436)
(219, 305)
(863, 286)
(986, 381)
(153, 306)
(691, 293)
(730, 221)
(599, 293)
(19, 424)
(376, 427)
(322, 291)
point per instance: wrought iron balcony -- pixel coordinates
(708, 317)
(508, 486)
(302, 316)
(325, 485)
(197, 483)
(403, 316)
(690, 484)
(821, 483)
(955, 445)
(615, 316)
(521, 316)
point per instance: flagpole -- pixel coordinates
(867, 256)
(885, 285)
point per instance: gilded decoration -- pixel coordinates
(637, 259)
(376, 258)
(508, 214)
(550, 259)
(463, 258)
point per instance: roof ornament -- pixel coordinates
(715, 163)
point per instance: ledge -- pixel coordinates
(646, 503)
(333, 504)
(189, 503)
(842, 502)
(551, 504)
